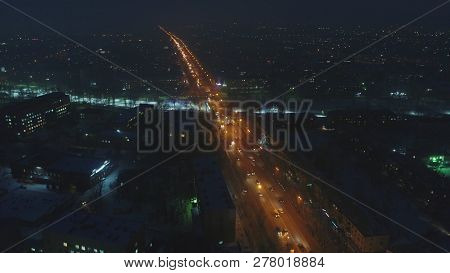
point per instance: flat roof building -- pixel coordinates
(64, 172)
(25, 117)
(217, 210)
(92, 233)
(363, 230)
(31, 207)
(23, 210)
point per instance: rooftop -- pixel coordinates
(30, 205)
(212, 189)
(60, 162)
(34, 104)
(77, 165)
(368, 223)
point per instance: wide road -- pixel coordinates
(199, 81)
(281, 217)
(267, 209)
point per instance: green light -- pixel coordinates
(194, 200)
(439, 164)
(436, 160)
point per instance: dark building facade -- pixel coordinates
(62, 172)
(24, 118)
(89, 233)
(217, 211)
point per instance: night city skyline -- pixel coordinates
(225, 127)
(118, 16)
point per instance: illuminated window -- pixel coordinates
(65, 244)
(83, 248)
(101, 251)
(77, 246)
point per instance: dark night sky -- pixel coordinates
(137, 15)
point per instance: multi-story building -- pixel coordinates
(363, 232)
(25, 117)
(27, 207)
(4, 98)
(217, 211)
(89, 233)
(62, 172)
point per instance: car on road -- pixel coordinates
(276, 215)
(302, 248)
(281, 185)
(281, 233)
